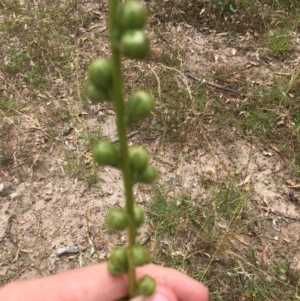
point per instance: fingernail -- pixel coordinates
(154, 297)
(138, 299)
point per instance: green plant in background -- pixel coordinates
(126, 23)
(281, 42)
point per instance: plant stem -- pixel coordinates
(121, 126)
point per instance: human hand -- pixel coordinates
(94, 283)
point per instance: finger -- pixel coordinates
(94, 283)
(184, 287)
(161, 294)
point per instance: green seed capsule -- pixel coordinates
(146, 286)
(119, 258)
(138, 215)
(138, 256)
(134, 44)
(138, 158)
(113, 270)
(148, 175)
(97, 95)
(140, 105)
(100, 73)
(132, 15)
(106, 153)
(117, 219)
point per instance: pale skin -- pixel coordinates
(94, 283)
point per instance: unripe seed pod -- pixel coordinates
(117, 219)
(138, 158)
(138, 256)
(100, 73)
(119, 258)
(138, 215)
(113, 270)
(106, 153)
(140, 105)
(134, 44)
(148, 175)
(131, 15)
(146, 286)
(97, 95)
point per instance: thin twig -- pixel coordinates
(295, 218)
(188, 74)
(129, 135)
(183, 78)
(158, 82)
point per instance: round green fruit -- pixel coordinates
(117, 219)
(119, 258)
(134, 44)
(101, 73)
(138, 256)
(138, 215)
(106, 153)
(138, 158)
(96, 95)
(114, 270)
(140, 105)
(132, 15)
(146, 286)
(148, 176)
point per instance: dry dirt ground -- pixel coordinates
(51, 220)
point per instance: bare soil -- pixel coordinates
(51, 220)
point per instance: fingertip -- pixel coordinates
(184, 287)
(161, 294)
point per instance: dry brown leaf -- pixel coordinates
(246, 295)
(185, 149)
(241, 239)
(292, 183)
(275, 148)
(25, 251)
(277, 166)
(267, 154)
(245, 181)
(264, 255)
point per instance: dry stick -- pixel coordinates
(129, 135)
(188, 74)
(183, 77)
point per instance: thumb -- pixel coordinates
(161, 294)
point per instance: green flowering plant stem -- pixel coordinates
(119, 104)
(127, 38)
